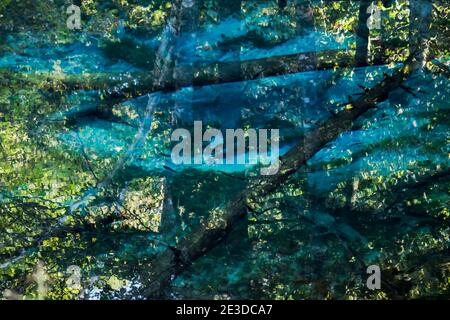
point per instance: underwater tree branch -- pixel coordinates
(172, 261)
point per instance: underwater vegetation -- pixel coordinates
(93, 205)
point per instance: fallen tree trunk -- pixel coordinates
(172, 261)
(126, 86)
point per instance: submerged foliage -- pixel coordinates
(87, 202)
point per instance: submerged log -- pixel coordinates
(172, 261)
(126, 86)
